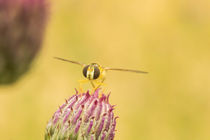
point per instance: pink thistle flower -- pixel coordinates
(22, 24)
(83, 116)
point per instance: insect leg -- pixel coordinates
(92, 83)
(100, 83)
(81, 82)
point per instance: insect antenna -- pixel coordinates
(126, 70)
(71, 61)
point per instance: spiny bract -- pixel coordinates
(83, 117)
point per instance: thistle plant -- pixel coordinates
(83, 116)
(22, 24)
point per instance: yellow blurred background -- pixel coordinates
(169, 39)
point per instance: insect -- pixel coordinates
(95, 73)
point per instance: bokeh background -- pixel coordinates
(169, 39)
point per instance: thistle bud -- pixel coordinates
(83, 117)
(22, 23)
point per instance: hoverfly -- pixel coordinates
(95, 73)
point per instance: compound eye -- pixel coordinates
(85, 70)
(96, 72)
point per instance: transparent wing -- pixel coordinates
(128, 70)
(74, 62)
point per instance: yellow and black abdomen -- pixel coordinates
(91, 71)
